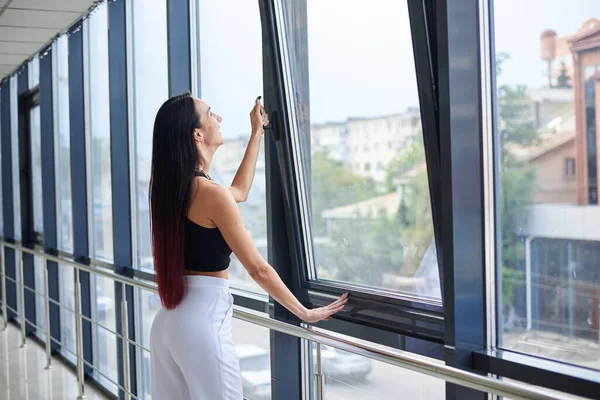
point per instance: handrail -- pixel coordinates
(399, 358)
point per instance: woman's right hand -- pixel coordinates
(325, 313)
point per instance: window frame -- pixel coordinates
(490, 358)
(399, 313)
(28, 100)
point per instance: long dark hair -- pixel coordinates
(174, 159)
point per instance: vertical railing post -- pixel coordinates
(3, 271)
(319, 378)
(125, 333)
(22, 291)
(79, 337)
(47, 317)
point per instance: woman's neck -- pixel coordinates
(206, 165)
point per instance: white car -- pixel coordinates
(338, 363)
(255, 366)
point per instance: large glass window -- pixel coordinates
(547, 91)
(230, 54)
(67, 316)
(33, 76)
(36, 168)
(98, 114)
(105, 342)
(151, 90)
(350, 376)
(62, 145)
(359, 145)
(254, 352)
(39, 264)
(149, 304)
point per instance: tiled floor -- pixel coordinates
(22, 373)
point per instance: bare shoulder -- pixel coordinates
(213, 196)
(208, 200)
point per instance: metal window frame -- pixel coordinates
(180, 53)
(27, 99)
(401, 315)
(48, 141)
(78, 122)
(121, 117)
(463, 221)
(8, 195)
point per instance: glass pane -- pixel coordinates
(67, 317)
(548, 91)
(147, 305)
(252, 344)
(40, 301)
(350, 376)
(151, 89)
(231, 79)
(99, 115)
(36, 168)
(105, 342)
(33, 72)
(360, 145)
(62, 145)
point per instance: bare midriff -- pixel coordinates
(217, 274)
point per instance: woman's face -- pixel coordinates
(210, 123)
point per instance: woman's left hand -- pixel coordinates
(258, 118)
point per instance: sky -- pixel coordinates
(518, 25)
(360, 56)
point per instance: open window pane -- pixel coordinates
(359, 145)
(230, 64)
(548, 91)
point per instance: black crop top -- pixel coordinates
(205, 248)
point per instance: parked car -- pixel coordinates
(338, 363)
(255, 366)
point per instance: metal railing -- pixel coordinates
(399, 358)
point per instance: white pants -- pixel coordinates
(192, 354)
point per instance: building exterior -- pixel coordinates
(556, 52)
(330, 138)
(585, 46)
(228, 158)
(367, 145)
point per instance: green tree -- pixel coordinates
(563, 79)
(334, 185)
(405, 159)
(517, 180)
(362, 248)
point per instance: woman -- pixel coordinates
(195, 226)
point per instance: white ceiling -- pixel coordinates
(26, 26)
